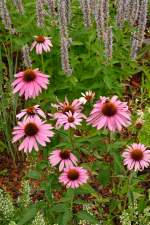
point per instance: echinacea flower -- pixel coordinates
(63, 158)
(41, 44)
(136, 157)
(31, 112)
(29, 83)
(110, 113)
(33, 131)
(87, 97)
(73, 177)
(69, 120)
(65, 107)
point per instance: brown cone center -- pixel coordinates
(67, 108)
(137, 154)
(70, 119)
(31, 129)
(109, 109)
(29, 75)
(88, 97)
(31, 111)
(65, 154)
(73, 174)
(40, 39)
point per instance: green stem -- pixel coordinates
(109, 141)
(131, 196)
(71, 203)
(42, 62)
(71, 138)
(130, 191)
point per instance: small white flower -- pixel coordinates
(87, 96)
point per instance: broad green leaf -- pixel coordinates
(34, 174)
(104, 175)
(27, 215)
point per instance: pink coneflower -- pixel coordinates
(42, 44)
(29, 83)
(69, 120)
(87, 97)
(73, 177)
(31, 112)
(65, 158)
(110, 113)
(136, 157)
(65, 107)
(33, 131)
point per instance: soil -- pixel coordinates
(11, 174)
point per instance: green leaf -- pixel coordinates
(42, 165)
(34, 174)
(144, 134)
(83, 215)
(86, 189)
(104, 176)
(58, 208)
(27, 215)
(66, 217)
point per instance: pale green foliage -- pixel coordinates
(125, 218)
(12, 223)
(25, 200)
(6, 207)
(132, 215)
(144, 134)
(39, 219)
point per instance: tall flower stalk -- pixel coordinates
(86, 9)
(133, 11)
(101, 17)
(26, 56)
(51, 7)
(108, 42)
(138, 36)
(122, 7)
(40, 13)
(142, 19)
(65, 41)
(19, 6)
(4, 14)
